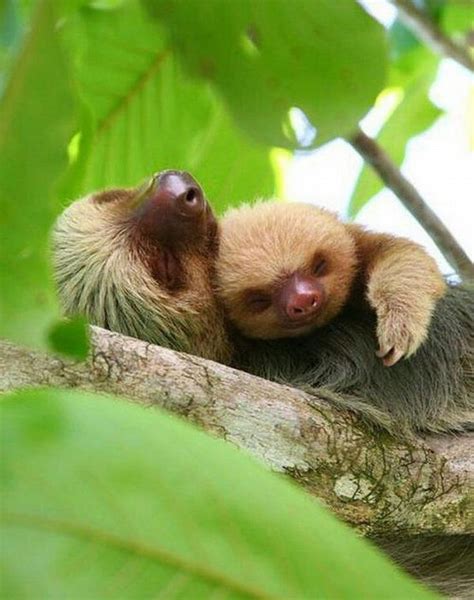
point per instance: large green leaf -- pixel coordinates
(413, 115)
(145, 115)
(36, 120)
(105, 499)
(326, 58)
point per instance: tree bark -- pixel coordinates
(378, 483)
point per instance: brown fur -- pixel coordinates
(261, 245)
(106, 271)
(402, 284)
(257, 253)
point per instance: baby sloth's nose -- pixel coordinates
(302, 304)
(300, 298)
(181, 189)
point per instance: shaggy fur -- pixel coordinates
(258, 250)
(262, 245)
(443, 562)
(433, 390)
(402, 284)
(104, 274)
(379, 288)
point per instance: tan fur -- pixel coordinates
(264, 243)
(402, 284)
(101, 275)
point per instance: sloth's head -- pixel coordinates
(283, 269)
(140, 261)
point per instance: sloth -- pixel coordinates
(284, 291)
(140, 262)
(286, 269)
(313, 297)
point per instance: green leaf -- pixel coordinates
(36, 121)
(144, 115)
(268, 57)
(458, 18)
(9, 23)
(105, 499)
(413, 115)
(70, 337)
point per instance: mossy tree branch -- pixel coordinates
(378, 483)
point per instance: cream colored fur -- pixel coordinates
(403, 284)
(264, 243)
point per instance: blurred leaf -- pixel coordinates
(36, 120)
(106, 4)
(70, 338)
(432, 8)
(402, 40)
(268, 57)
(144, 115)
(11, 31)
(413, 115)
(458, 17)
(105, 499)
(9, 23)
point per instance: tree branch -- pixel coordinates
(378, 483)
(413, 202)
(427, 31)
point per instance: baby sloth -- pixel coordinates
(139, 261)
(286, 269)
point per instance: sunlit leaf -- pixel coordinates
(413, 115)
(145, 115)
(268, 57)
(102, 499)
(36, 120)
(458, 18)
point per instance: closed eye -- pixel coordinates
(258, 301)
(320, 266)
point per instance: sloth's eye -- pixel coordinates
(258, 301)
(320, 266)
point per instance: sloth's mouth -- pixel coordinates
(300, 328)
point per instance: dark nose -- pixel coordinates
(301, 305)
(181, 189)
(300, 298)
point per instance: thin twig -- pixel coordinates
(425, 29)
(412, 200)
